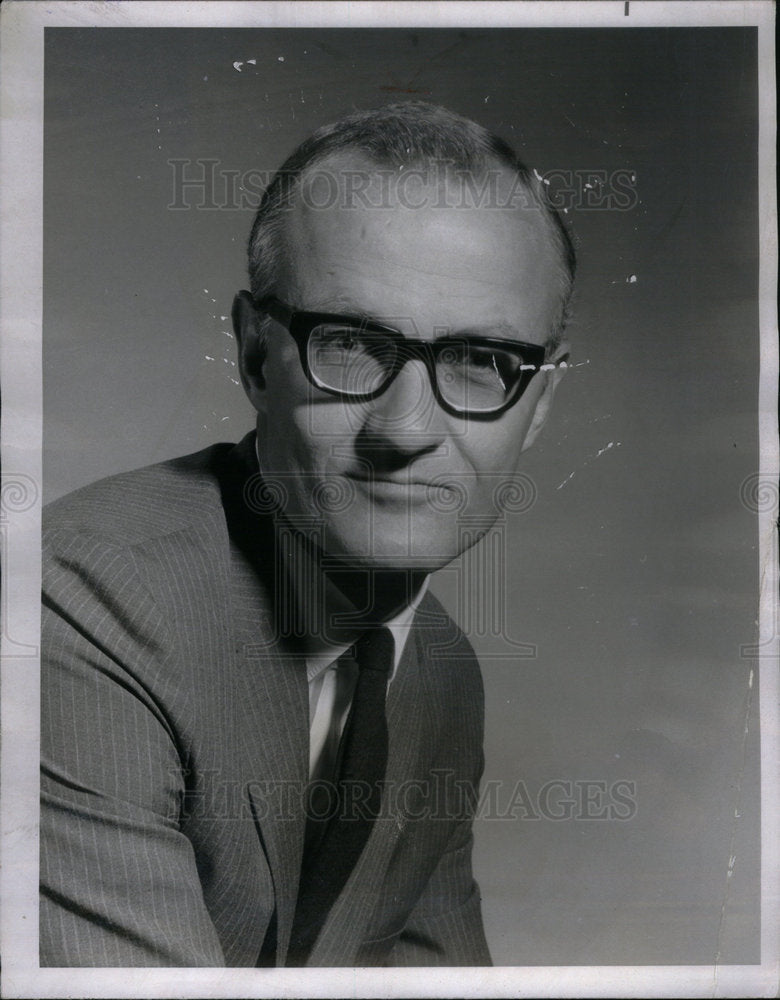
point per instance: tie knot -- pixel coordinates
(375, 650)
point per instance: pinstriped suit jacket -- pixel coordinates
(175, 746)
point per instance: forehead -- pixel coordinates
(437, 245)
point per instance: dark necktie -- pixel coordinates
(359, 793)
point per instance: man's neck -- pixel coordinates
(327, 603)
(377, 594)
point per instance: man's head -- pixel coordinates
(418, 220)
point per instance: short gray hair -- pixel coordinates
(413, 133)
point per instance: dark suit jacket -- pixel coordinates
(175, 745)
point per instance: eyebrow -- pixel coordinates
(339, 304)
(500, 328)
(344, 306)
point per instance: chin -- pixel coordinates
(387, 553)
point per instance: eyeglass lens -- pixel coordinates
(469, 375)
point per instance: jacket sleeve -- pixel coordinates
(119, 883)
(445, 927)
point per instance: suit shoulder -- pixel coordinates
(137, 506)
(435, 620)
(453, 685)
(448, 653)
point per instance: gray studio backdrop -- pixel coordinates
(612, 609)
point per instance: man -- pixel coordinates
(261, 737)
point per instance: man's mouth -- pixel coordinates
(395, 479)
(372, 479)
(414, 488)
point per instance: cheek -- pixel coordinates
(303, 428)
(282, 370)
(491, 452)
(494, 448)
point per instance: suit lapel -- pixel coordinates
(274, 712)
(272, 695)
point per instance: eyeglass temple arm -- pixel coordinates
(562, 362)
(276, 310)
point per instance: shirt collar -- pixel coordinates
(399, 627)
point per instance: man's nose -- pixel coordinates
(406, 416)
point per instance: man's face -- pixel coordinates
(397, 481)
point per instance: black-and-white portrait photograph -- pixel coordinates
(390, 427)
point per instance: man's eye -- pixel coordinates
(476, 356)
(340, 338)
(344, 337)
(501, 364)
(480, 357)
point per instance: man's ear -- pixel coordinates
(248, 327)
(552, 377)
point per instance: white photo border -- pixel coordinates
(21, 166)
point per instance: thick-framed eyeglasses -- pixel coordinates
(357, 359)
